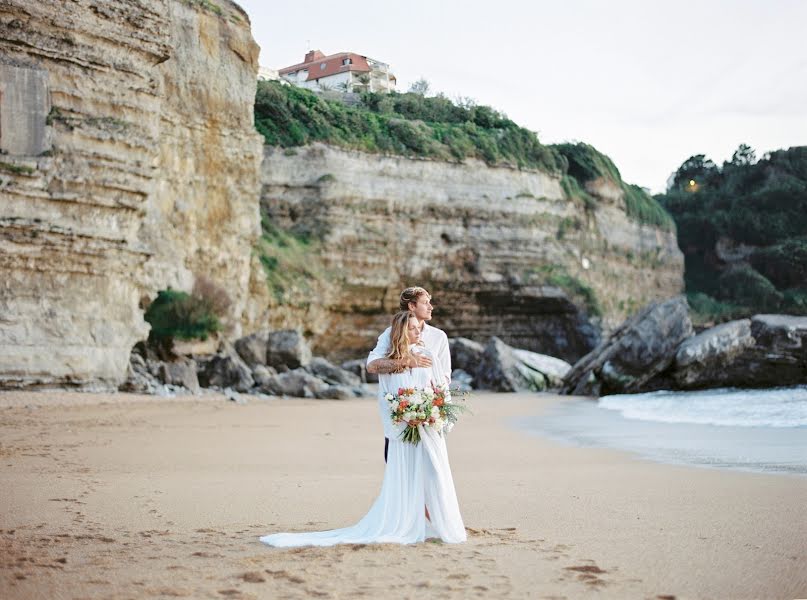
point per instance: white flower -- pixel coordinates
(435, 412)
(388, 397)
(415, 401)
(408, 416)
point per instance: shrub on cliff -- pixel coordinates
(178, 315)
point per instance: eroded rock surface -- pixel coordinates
(504, 252)
(134, 168)
(636, 352)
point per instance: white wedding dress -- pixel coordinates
(416, 476)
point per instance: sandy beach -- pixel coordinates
(124, 496)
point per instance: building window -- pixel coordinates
(322, 66)
(346, 61)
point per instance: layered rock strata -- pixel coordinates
(133, 167)
(504, 251)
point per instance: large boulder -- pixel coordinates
(288, 348)
(298, 383)
(554, 369)
(764, 351)
(465, 354)
(225, 369)
(359, 368)
(252, 348)
(262, 374)
(181, 372)
(332, 374)
(500, 370)
(635, 353)
(139, 379)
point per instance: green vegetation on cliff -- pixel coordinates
(436, 127)
(406, 124)
(585, 163)
(291, 264)
(178, 315)
(743, 230)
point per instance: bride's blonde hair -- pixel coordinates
(399, 342)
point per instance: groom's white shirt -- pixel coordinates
(435, 340)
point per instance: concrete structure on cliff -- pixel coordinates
(345, 71)
(129, 164)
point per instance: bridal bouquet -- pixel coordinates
(430, 407)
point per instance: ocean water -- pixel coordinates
(756, 430)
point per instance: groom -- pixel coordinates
(419, 302)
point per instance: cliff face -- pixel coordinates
(503, 251)
(130, 164)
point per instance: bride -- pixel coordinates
(417, 499)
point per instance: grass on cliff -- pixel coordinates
(291, 264)
(757, 207)
(558, 276)
(436, 127)
(586, 163)
(406, 124)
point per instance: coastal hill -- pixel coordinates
(743, 229)
(137, 168)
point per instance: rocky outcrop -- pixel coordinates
(656, 350)
(504, 251)
(635, 353)
(501, 371)
(764, 351)
(132, 166)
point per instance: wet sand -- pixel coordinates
(125, 496)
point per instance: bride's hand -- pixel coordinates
(419, 360)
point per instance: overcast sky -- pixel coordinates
(647, 82)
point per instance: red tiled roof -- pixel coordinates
(333, 65)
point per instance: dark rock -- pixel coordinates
(139, 379)
(287, 348)
(635, 353)
(252, 348)
(462, 381)
(359, 367)
(332, 374)
(225, 369)
(465, 354)
(336, 392)
(181, 371)
(298, 382)
(764, 351)
(500, 370)
(553, 369)
(261, 374)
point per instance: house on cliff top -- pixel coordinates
(345, 71)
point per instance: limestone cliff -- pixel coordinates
(504, 251)
(129, 164)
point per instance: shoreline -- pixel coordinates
(123, 495)
(581, 423)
